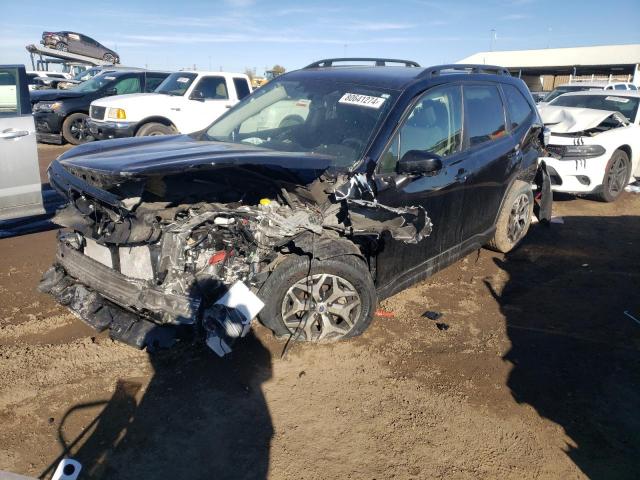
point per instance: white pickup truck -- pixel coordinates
(184, 102)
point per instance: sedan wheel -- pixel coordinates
(108, 58)
(321, 307)
(616, 176)
(62, 47)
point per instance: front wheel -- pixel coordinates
(616, 177)
(153, 129)
(514, 218)
(75, 129)
(328, 300)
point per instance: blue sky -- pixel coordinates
(235, 34)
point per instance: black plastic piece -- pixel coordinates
(464, 68)
(379, 62)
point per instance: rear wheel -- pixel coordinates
(514, 218)
(332, 300)
(62, 47)
(75, 129)
(108, 58)
(153, 129)
(616, 177)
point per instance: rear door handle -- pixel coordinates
(11, 133)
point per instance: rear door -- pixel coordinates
(493, 155)
(20, 189)
(75, 44)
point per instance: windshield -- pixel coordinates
(308, 116)
(86, 74)
(625, 105)
(568, 88)
(176, 83)
(95, 84)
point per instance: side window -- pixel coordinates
(242, 87)
(212, 88)
(620, 86)
(434, 124)
(9, 104)
(484, 113)
(153, 81)
(519, 108)
(632, 87)
(128, 85)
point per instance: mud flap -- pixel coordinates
(543, 202)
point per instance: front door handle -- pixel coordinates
(11, 133)
(461, 176)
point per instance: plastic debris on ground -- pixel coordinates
(633, 187)
(230, 318)
(431, 315)
(384, 314)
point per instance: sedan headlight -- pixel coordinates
(117, 114)
(583, 151)
(47, 106)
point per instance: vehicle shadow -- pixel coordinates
(574, 352)
(199, 417)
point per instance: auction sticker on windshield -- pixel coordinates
(362, 100)
(183, 79)
(617, 99)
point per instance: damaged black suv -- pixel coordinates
(324, 191)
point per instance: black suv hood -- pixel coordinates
(147, 156)
(53, 94)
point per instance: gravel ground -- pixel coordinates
(532, 371)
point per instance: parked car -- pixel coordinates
(387, 180)
(43, 79)
(183, 103)
(89, 73)
(63, 114)
(20, 189)
(586, 86)
(79, 44)
(594, 146)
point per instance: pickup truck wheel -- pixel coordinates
(514, 218)
(330, 300)
(616, 177)
(152, 129)
(75, 129)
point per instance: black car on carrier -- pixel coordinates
(379, 177)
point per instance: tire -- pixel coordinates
(343, 317)
(62, 47)
(154, 128)
(75, 129)
(108, 58)
(514, 218)
(616, 177)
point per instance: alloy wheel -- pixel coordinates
(617, 176)
(80, 130)
(321, 307)
(519, 218)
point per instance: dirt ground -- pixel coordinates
(532, 371)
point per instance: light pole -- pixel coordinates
(494, 35)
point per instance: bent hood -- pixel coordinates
(573, 119)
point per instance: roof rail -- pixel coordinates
(379, 62)
(463, 68)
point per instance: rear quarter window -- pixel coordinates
(484, 114)
(518, 107)
(242, 87)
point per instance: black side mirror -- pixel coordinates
(197, 95)
(111, 91)
(419, 162)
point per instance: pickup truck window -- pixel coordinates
(153, 81)
(212, 88)
(242, 87)
(177, 83)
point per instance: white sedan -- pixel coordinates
(594, 146)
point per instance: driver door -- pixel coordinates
(208, 100)
(433, 124)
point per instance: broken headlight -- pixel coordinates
(583, 151)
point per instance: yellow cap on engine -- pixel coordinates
(265, 201)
